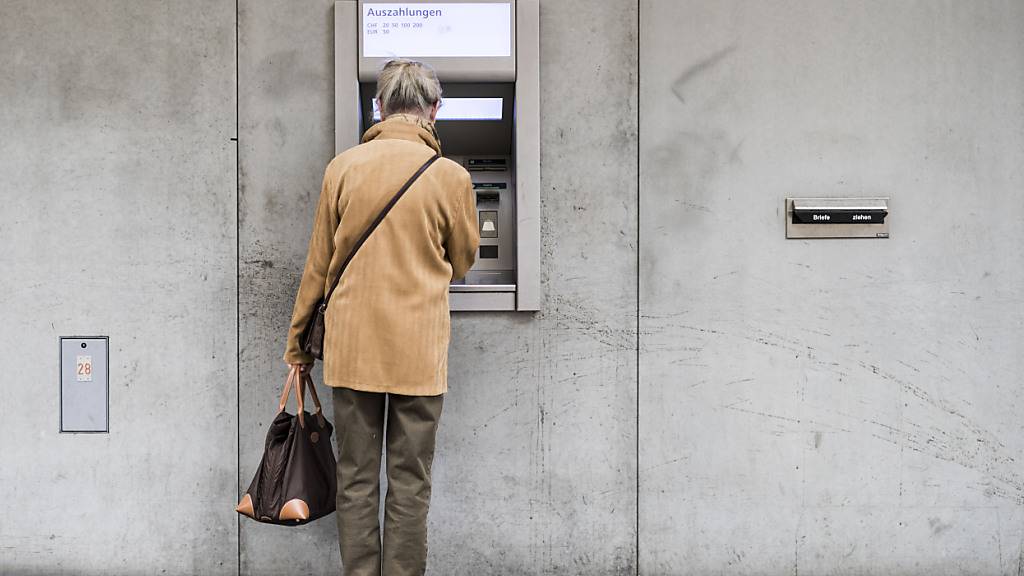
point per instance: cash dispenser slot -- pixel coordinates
(489, 193)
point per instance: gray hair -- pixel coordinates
(407, 86)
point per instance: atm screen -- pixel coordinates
(475, 118)
(462, 109)
(437, 30)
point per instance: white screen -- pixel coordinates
(437, 30)
(462, 109)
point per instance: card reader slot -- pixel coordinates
(486, 164)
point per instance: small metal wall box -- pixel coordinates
(84, 384)
(837, 217)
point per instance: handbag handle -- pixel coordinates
(316, 400)
(373, 226)
(301, 379)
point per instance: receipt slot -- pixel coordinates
(837, 217)
(487, 56)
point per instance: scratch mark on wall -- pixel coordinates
(760, 413)
(1020, 557)
(666, 463)
(966, 443)
(951, 434)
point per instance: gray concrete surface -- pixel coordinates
(536, 470)
(286, 138)
(117, 180)
(831, 407)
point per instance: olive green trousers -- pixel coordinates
(411, 425)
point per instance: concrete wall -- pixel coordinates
(829, 406)
(117, 180)
(286, 138)
(824, 407)
(535, 471)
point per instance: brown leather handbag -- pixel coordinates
(312, 339)
(296, 480)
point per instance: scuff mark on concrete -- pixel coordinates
(697, 69)
(938, 526)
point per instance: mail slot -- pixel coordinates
(837, 217)
(811, 213)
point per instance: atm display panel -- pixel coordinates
(462, 41)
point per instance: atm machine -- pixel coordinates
(486, 54)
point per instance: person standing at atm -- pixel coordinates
(387, 324)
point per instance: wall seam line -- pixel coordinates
(238, 307)
(638, 206)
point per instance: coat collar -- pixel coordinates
(404, 127)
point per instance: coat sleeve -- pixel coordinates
(464, 238)
(318, 260)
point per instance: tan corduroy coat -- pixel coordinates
(387, 324)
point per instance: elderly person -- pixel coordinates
(387, 323)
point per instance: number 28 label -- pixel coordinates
(83, 369)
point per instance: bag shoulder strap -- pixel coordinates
(373, 226)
